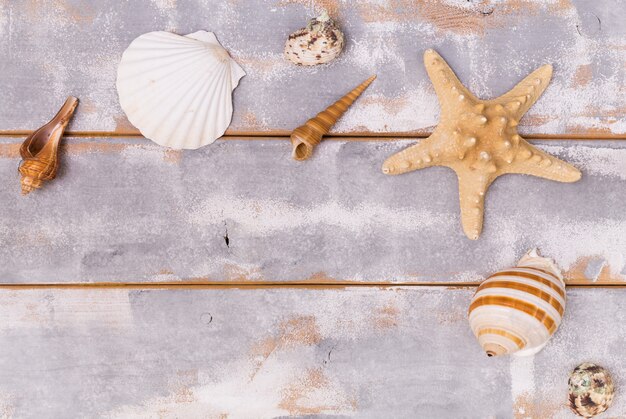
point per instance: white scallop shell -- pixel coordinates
(517, 310)
(177, 90)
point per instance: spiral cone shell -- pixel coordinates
(306, 137)
(517, 310)
(40, 149)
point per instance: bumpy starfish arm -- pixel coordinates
(449, 89)
(472, 190)
(519, 99)
(418, 156)
(535, 162)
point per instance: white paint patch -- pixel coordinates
(140, 154)
(262, 216)
(595, 161)
(80, 311)
(235, 396)
(286, 379)
(373, 53)
(522, 382)
(5, 23)
(110, 310)
(267, 66)
(164, 6)
(167, 9)
(412, 109)
(565, 241)
(7, 401)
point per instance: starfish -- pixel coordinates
(478, 139)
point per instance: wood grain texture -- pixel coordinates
(126, 210)
(273, 353)
(52, 49)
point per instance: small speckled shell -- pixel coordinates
(320, 42)
(590, 390)
(517, 310)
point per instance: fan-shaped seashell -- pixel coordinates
(516, 311)
(177, 90)
(590, 390)
(40, 150)
(320, 42)
(307, 136)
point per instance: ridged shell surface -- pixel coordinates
(177, 90)
(517, 310)
(590, 390)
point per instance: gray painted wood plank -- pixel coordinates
(362, 352)
(53, 49)
(126, 210)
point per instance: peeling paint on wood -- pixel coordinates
(275, 353)
(125, 210)
(56, 48)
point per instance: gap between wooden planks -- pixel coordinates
(270, 285)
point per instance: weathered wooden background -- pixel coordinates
(147, 282)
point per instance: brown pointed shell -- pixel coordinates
(306, 137)
(320, 42)
(40, 149)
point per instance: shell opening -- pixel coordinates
(302, 151)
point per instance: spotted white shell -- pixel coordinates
(320, 42)
(517, 310)
(590, 390)
(177, 90)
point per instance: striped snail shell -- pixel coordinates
(517, 310)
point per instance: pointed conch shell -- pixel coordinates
(591, 390)
(40, 149)
(306, 137)
(517, 310)
(320, 42)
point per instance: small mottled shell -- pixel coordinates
(590, 390)
(320, 42)
(517, 310)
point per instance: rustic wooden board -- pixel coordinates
(126, 210)
(361, 352)
(52, 49)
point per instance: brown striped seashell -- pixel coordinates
(517, 310)
(40, 149)
(306, 137)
